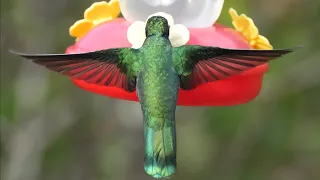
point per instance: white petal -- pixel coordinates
(179, 35)
(165, 15)
(136, 34)
(137, 46)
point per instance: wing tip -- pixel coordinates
(293, 48)
(13, 52)
(296, 47)
(18, 53)
(290, 50)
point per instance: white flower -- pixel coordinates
(179, 35)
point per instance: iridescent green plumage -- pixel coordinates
(157, 89)
(156, 71)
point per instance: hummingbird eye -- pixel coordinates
(191, 13)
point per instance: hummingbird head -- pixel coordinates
(157, 25)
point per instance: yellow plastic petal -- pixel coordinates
(249, 30)
(179, 35)
(114, 8)
(98, 21)
(97, 13)
(97, 10)
(263, 43)
(80, 28)
(238, 21)
(102, 10)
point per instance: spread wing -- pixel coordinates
(201, 64)
(111, 67)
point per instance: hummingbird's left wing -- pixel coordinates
(201, 64)
(116, 67)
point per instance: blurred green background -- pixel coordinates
(51, 130)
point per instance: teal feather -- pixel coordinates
(160, 148)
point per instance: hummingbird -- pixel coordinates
(156, 72)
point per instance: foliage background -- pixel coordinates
(50, 129)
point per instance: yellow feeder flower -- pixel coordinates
(97, 13)
(248, 29)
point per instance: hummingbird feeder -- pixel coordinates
(101, 28)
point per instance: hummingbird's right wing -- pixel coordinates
(116, 67)
(202, 64)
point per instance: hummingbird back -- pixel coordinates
(157, 89)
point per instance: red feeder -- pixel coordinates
(232, 91)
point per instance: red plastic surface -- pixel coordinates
(232, 91)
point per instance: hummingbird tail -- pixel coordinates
(160, 148)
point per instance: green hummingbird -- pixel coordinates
(156, 71)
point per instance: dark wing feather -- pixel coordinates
(200, 64)
(111, 67)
